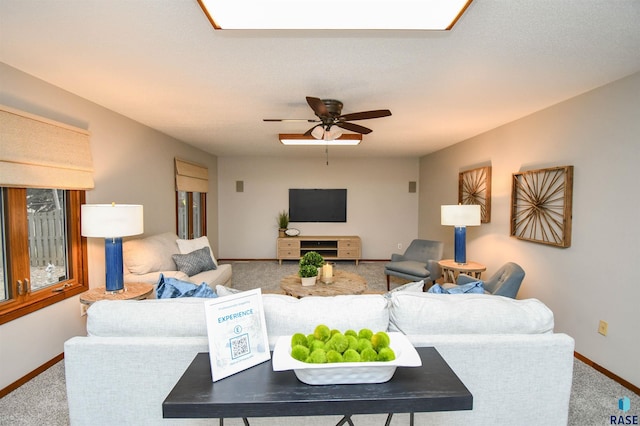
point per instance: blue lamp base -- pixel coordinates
(113, 265)
(460, 244)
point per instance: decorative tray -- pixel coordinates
(343, 373)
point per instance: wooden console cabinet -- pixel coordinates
(330, 247)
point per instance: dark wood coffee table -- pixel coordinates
(262, 392)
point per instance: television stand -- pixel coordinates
(329, 247)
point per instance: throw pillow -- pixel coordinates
(187, 246)
(226, 291)
(194, 262)
(415, 286)
(472, 287)
(169, 288)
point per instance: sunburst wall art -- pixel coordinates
(474, 187)
(541, 204)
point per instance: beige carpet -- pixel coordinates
(248, 275)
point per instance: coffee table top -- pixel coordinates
(261, 392)
(342, 283)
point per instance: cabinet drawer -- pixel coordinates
(288, 254)
(348, 244)
(285, 244)
(349, 254)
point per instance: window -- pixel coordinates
(191, 214)
(43, 255)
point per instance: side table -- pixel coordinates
(451, 269)
(132, 291)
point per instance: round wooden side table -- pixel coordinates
(342, 283)
(451, 269)
(132, 291)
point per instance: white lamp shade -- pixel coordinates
(333, 133)
(111, 220)
(318, 132)
(460, 215)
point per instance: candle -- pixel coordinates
(327, 271)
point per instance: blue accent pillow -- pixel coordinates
(472, 287)
(169, 288)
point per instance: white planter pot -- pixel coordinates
(309, 281)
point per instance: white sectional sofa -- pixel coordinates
(146, 258)
(505, 351)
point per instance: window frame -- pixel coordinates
(203, 214)
(16, 246)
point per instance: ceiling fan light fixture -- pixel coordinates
(290, 15)
(334, 132)
(318, 132)
(299, 139)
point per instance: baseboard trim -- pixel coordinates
(609, 374)
(21, 381)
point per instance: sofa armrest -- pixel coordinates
(465, 279)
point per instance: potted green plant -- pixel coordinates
(308, 274)
(313, 258)
(283, 223)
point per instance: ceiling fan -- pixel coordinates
(329, 113)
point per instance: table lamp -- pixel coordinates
(112, 222)
(460, 216)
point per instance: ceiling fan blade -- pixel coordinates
(308, 120)
(308, 132)
(354, 128)
(317, 106)
(365, 115)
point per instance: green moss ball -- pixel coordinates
(351, 333)
(380, 340)
(364, 344)
(351, 356)
(322, 332)
(365, 333)
(353, 342)
(300, 352)
(340, 342)
(368, 355)
(334, 356)
(386, 354)
(318, 356)
(298, 339)
(316, 344)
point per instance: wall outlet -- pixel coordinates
(399, 246)
(602, 327)
(83, 309)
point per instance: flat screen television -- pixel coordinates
(318, 205)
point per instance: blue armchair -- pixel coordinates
(419, 262)
(505, 282)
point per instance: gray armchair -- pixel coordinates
(419, 262)
(505, 282)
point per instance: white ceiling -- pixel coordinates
(161, 63)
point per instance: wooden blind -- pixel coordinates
(36, 152)
(191, 177)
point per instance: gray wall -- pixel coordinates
(598, 133)
(380, 208)
(133, 164)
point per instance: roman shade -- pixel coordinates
(191, 177)
(36, 152)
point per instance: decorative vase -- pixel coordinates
(281, 232)
(308, 281)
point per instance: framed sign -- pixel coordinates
(237, 333)
(474, 187)
(541, 206)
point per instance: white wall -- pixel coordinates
(133, 164)
(599, 134)
(380, 208)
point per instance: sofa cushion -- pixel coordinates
(150, 254)
(195, 262)
(182, 317)
(187, 246)
(417, 286)
(287, 315)
(426, 313)
(222, 275)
